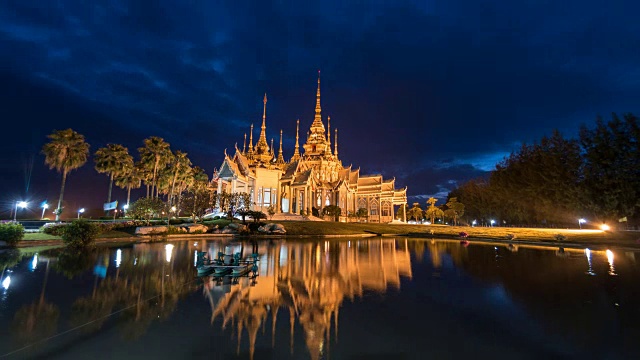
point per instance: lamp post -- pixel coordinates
(45, 206)
(21, 204)
(80, 212)
(492, 222)
(580, 222)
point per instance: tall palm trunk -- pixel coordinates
(109, 194)
(64, 180)
(129, 194)
(110, 187)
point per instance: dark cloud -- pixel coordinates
(428, 92)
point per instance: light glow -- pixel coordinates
(34, 262)
(605, 227)
(612, 269)
(6, 282)
(118, 258)
(169, 250)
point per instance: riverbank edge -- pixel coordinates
(141, 239)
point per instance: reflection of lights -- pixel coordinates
(34, 262)
(612, 270)
(6, 282)
(587, 252)
(135, 261)
(195, 243)
(195, 257)
(169, 249)
(326, 246)
(349, 243)
(118, 257)
(604, 227)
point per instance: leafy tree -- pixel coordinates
(271, 210)
(114, 160)
(146, 208)
(361, 213)
(432, 211)
(155, 155)
(415, 212)
(230, 203)
(332, 210)
(66, 151)
(454, 210)
(257, 216)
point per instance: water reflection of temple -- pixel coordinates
(309, 281)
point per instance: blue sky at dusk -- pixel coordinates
(431, 92)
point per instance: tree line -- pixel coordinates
(557, 180)
(165, 173)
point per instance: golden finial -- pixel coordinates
(244, 144)
(296, 150)
(280, 157)
(335, 139)
(251, 140)
(329, 134)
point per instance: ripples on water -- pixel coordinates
(340, 299)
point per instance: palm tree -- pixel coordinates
(154, 154)
(114, 160)
(181, 167)
(130, 179)
(66, 151)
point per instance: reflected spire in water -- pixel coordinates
(311, 280)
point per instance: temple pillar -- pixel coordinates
(279, 199)
(404, 213)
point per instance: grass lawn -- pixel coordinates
(42, 236)
(440, 231)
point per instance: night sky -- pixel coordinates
(431, 92)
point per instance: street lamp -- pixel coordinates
(580, 222)
(80, 212)
(45, 206)
(19, 204)
(492, 222)
(473, 223)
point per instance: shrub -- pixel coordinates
(80, 233)
(462, 234)
(11, 232)
(54, 229)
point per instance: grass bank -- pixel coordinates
(318, 228)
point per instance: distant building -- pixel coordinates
(310, 180)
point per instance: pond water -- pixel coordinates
(374, 298)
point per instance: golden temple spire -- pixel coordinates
(271, 150)
(335, 139)
(296, 151)
(329, 135)
(251, 140)
(280, 157)
(261, 146)
(317, 120)
(244, 145)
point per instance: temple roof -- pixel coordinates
(369, 180)
(290, 170)
(303, 177)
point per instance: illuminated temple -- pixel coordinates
(314, 176)
(308, 282)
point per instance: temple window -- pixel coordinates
(374, 208)
(327, 201)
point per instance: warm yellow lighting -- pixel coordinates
(604, 227)
(610, 257)
(168, 250)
